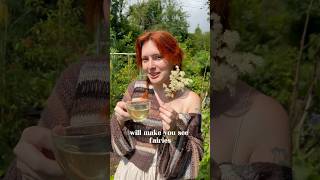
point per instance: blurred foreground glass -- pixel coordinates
(83, 151)
(138, 110)
(142, 76)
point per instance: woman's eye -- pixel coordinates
(157, 57)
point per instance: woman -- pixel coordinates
(157, 54)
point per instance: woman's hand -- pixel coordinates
(169, 117)
(121, 112)
(33, 153)
(169, 121)
(168, 114)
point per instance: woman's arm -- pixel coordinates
(181, 158)
(122, 142)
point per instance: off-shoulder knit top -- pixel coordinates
(179, 159)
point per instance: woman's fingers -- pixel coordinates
(167, 107)
(121, 112)
(166, 126)
(39, 136)
(171, 113)
(165, 118)
(27, 172)
(168, 123)
(30, 155)
(158, 98)
(28, 151)
(165, 111)
(122, 105)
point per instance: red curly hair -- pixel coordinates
(165, 42)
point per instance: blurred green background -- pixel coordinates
(38, 40)
(286, 34)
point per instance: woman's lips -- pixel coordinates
(154, 75)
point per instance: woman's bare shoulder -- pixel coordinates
(192, 101)
(271, 129)
(268, 109)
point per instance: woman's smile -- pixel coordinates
(154, 75)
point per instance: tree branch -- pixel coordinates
(294, 96)
(307, 101)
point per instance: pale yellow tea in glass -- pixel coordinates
(138, 110)
(83, 151)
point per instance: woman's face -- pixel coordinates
(154, 65)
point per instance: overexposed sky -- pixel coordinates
(198, 14)
(197, 11)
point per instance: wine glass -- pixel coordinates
(83, 151)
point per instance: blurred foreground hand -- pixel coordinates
(34, 154)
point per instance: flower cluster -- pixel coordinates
(231, 63)
(177, 82)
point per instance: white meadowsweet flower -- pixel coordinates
(228, 62)
(177, 82)
(231, 38)
(182, 73)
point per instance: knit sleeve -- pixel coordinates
(256, 170)
(181, 158)
(60, 101)
(56, 111)
(122, 141)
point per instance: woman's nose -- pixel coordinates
(151, 63)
